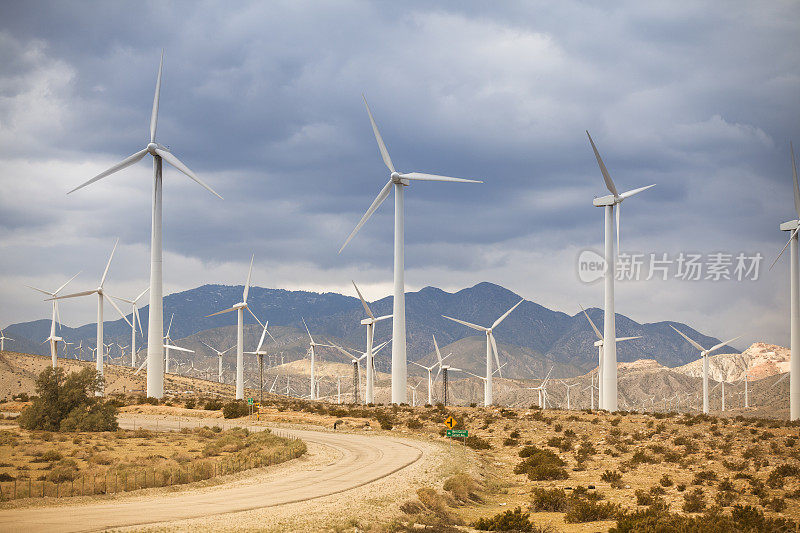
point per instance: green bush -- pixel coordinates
(694, 501)
(213, 405)
(612, 477)
(540, 464)
(235, 409)
(67, 402)
(550, 500)
(588, 511)
(509, 520)
(477, 443)
(742, 519)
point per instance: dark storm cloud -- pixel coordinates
(263, 100)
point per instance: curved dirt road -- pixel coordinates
(358, 460)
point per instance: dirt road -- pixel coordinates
(348, 461)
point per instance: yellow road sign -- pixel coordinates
(450, 422)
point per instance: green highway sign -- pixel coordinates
(249, 401)
(457, 433)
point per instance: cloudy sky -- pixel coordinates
(263, 101)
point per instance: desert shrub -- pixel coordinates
(213, 405)
(51, 456)
(541, 465)
(665, 481)
(191, 403)
(588, 511)
(509, 520)
(703, 476)
(550, 500)
(461, 486)
(385, 421)
(64, 470)
(724, 498)
(510, 442)
(148, 400)
(514, 434)
(776, 504)
(612, 477)
(235, 409)
(66, 402)
(433, 502)
(477, 443)
(694, 501)
(776, 478)
(744, 519)
(414, 423)
(640, 456)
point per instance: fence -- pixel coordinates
(115, 481)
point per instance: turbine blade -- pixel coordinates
(261, 340)
(170, 158)
(309, 333)
(496, 356)
(376, 203)
(65, 284)
(140, 295)
(254, 316)
(247, 285)
(141, 366)
(497, 322)
(73, 295)
(170, 324)
(128, 161)
(58, 315)
(693, 343)
(606, 176)
(379, 348)
(115, 306)
(633, 192)
(720, 345)
(171, 347)
(223, 311)
(156, 98)
(627, 338)
(108, 265)
(796, 188)
(40, 290)
(419, 176)
(363, 302)
(596, 331)
(381, 146)
(138, 319)
(784, 376)
(438, 353)
(794, 233)
(384, 317)
(619, 210)
(468, 324)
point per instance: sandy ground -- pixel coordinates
(344, 477)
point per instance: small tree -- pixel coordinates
(67, 402)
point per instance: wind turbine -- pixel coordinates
(414, 393)
(239, 308)
(370, 322)
(56, 317)
(491, 346)
(608, 394)
(399, 181)
(219, 356)
(438, 363)
(542, 389)
(704, 354)
(746, 380)
(261, 353)
(135, 320)
(100, 296)
(312, 346)
(155, 329)
(444, 369)
(599, 344)
(568, 387)
(794, 291)
(3, 340)
(483, 378)
(591, 388)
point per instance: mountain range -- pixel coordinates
(531, 338)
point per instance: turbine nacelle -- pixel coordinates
(609, 199)
(151, 148)
(790, 226)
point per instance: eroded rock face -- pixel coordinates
(760, 358)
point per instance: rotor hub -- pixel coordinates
(152, 148)
(395, 176)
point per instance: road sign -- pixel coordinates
(249, 401)
(460, 433)
(450, 422)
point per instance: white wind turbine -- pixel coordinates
(568, 387)
(542, 390)
(439, 360)
(100, 296)
(239, 308)
(491, 346)
(260, 354)
(56, 318)
(483, 378)
(219, 356)
(608, 395)
(794, 297)
(155, 329)
(370, 322)
(313, 345)
(704, 354)
(3, 340)
(414, 393)
(135, 320)
(399, 362)
(599, 344)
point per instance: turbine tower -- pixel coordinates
(438, 363)
(491, 346)
(261, 353)
(399, 181)
(704, 354)
(794, 292)
(135, 320)
(599, 344)
(608, 396)
(3, 339)
(219, 356)
(370, 322)
(155, 327)
(100, 296)
(312, 346)
(239, 308)
(56, 317)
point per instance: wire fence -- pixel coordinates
(125, 480)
